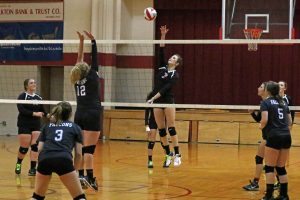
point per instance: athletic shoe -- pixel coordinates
(150, 164)
(282, 198)
(83, 182)
(18, 168)
(92, 183)
(253, 186)
(177, 160)
(32, 172)
(168, 161)
(277, 186)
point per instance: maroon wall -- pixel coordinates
(223, 74)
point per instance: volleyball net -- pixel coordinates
(127, 68)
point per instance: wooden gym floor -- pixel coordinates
(208, 172)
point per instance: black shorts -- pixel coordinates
(28, 129)
(152, 123)
(89, 119)
(60, 166)
(279, 141)
(165, 100)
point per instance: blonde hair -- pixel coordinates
(79, 71)
(61, 112)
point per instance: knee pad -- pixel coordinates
(172, 131)
(23, 150)
(162, 132)
(269, 169)
(281, 171)
(80, 197)
(258, 160)
(151, 145)
(37, 197)
(89, 149)
(34, 147)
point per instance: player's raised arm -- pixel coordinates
(163, 32)
(94, 64)
(80, 49)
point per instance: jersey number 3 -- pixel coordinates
(80, 90)
(58, 135)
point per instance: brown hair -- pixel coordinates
(79, 71)
(179, 60)
(273, 88)
(26, 81)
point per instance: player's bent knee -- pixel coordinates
(258, 160)
(34, 147)
(80, 197)
(37, 197)
(89, 149)
(269, 169)
(162, 132)
(151, 145)
(281, 171)
(172, 131)
(23, 150)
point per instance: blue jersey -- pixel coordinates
(88, 89)
(277, 117)
(59, 140)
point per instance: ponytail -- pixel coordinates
(279, 100)
(61, 112)
(273, 89)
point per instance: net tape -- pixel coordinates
(144, 105)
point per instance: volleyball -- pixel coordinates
(150, 13)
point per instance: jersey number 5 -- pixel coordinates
(58, 135)
(280, 113)
(80, 90)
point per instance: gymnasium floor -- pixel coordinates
(208, 172)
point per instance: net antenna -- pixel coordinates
(252, 34)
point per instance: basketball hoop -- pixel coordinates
(252, 34)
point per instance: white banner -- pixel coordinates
(20, 12)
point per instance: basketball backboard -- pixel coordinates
(274, 17)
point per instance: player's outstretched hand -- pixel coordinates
(89, 35)
(164, 30)
(81, 36)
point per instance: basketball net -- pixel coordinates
(252, 34)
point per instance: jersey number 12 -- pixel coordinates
(80, 90)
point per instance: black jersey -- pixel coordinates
(25, 117)
(277, 117)
(59, 140)
(88, 88)
(289, 102)
(165, 79)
